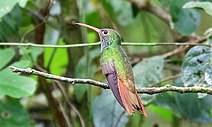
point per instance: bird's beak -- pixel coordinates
(90, 27)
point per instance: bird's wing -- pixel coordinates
(127, 89)
(123, 89)
(109, 70)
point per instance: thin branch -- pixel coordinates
(151, 90)
(59, 85)
(98, 43)
(175, 51)
(59, 78)
(167, 79)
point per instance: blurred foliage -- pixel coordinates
(206, 6)
(188, 26)
(13, 114)
(7, 6)
(189, 20)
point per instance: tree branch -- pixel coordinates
(157, 11)
(151, 90)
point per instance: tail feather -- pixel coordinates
(141, 106)
(130, 100)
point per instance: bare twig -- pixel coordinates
(167, 79)
(98, 43)
(175, 51)
(69, 103)
(59, 78)
(151, 90)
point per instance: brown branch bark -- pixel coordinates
(151, 90)
(157, 11)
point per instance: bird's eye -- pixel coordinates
(105, 32)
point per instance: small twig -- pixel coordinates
(151, 90)
(175, 51)
(167, 79)
(59, 85)
(119, 118)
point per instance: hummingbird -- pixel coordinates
(118, 70)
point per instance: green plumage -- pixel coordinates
(118, 56)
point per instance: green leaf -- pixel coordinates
(59, 60)
(17, 22)
(191, 108)
(107, 112)
(196, 67)
(185, 21)
(7, 5)
(13, 114)
(6, 55)
(206, 6)
(14, 85)
(147, 72)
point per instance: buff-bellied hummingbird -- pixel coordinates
(118, 70)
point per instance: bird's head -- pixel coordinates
(108, 37)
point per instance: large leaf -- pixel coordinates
(107, 112)
(188, 105)
(13, 114)
(206, 6)
(5, 56)
(17, 22)
(197, 65)
(14, 85)
(185, 20)
(7, 5)
(147, 72)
